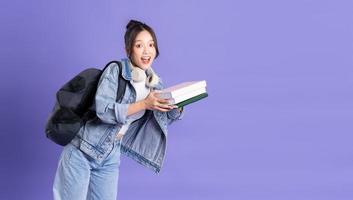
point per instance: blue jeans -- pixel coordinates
(78, 176)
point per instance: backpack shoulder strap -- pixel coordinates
(122, 81)
(122, 85)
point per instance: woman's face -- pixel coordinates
(143, 51)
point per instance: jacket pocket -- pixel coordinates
(95, 133)
(104, 139)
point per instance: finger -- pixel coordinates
(155, 93)
(165, 106)
(162, 109)
(163, 101)
(172, 106)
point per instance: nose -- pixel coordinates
(145, 50)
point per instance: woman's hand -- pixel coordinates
(153, 102)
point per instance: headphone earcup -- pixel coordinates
(152, 80)
(137, 74)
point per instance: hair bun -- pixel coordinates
(133, 23)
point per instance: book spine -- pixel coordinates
(192, 100)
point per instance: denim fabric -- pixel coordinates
(80, 177)
(146, 139)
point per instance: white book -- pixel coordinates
(186, 96)
(181, 89)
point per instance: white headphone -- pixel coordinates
(138, 75)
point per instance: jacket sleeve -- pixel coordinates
(175, 114)
(107, 109)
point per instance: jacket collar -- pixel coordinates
(126, 72)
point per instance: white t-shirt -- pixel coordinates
(141, 93)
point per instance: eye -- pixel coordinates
(152, 45)
(138, 45)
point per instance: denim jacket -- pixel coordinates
(146, 139)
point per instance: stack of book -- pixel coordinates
(184, 93)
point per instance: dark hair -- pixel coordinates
(133, 28)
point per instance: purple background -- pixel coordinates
(277, 123)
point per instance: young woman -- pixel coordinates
(137, 126)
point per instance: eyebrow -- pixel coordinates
(142, 41)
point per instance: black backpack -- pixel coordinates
(75, 104)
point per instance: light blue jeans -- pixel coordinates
(79, 177)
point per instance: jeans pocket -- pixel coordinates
(113, 157)
(66, 153)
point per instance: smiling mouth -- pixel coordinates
(146, 59)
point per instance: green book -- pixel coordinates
(192, 100)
